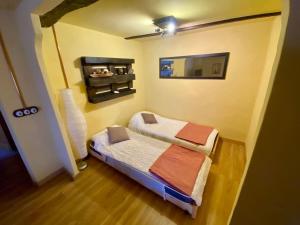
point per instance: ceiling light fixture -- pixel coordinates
(167, 25)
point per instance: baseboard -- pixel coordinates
(233, 141)
(50, 177)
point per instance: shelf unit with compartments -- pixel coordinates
(107, 78)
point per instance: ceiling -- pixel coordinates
(9, 4)
(134, 17)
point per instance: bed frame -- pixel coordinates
(185, 202)
(213, 152)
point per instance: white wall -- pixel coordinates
(38, 137)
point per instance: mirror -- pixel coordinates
(208, 66)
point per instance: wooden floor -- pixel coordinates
(101, 195)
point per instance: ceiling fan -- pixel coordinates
(166, 25)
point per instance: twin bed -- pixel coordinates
(166, 130)
(138, 155)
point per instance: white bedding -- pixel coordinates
(140, 152)
(166, 130)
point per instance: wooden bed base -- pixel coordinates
(213, 152)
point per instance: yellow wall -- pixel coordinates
(273, 55)
(75, 42)
(264, 88)
(225, 104)
(270, 194)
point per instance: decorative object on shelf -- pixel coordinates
(130, 71)
(100, 71)
(117, 80)
(75, 120)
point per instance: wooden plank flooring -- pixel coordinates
(101, 195)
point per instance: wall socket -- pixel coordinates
(25, 111)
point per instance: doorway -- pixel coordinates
(12, 170)
(7, 144)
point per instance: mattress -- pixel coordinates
(166, 130)
(140, 152)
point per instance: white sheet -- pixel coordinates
(141, 152)
(166, 130)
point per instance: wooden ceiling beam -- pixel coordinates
(51, 17)
(215, 23)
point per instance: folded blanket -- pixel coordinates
(195, 133)
(179, 167)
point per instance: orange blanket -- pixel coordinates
(179, 167)
(195, 133)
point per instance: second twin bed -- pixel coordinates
(167, 129)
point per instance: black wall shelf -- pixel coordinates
(108, 96)
(106, 87)
(98, 82)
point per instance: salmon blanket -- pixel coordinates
(195, 133)
(179, 167)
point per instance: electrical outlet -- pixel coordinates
(25, 111)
